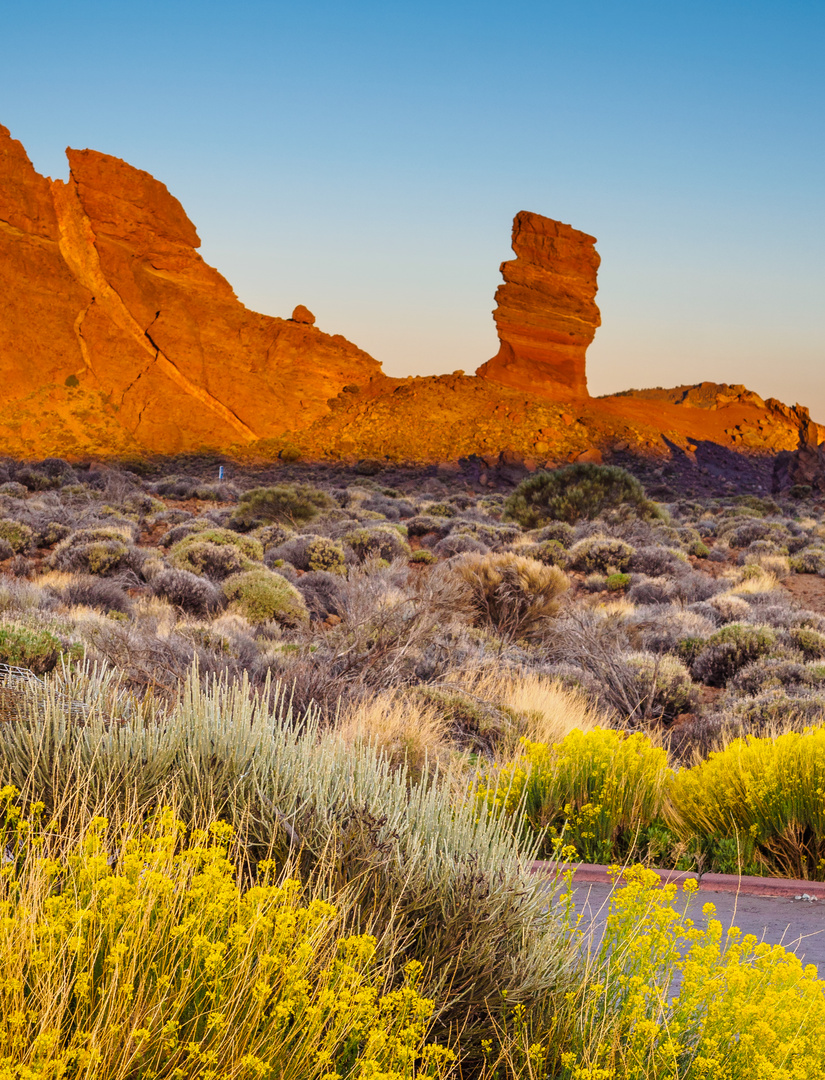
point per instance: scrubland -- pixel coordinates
(279, 751)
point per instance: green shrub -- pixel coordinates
(215, 553)
(809, 642)
(261, 595)
(808, 561)
(381, 542)
(291, 504)
(423, 556)
(575, 492)
(661, 683)
(514, 596)
(38, 650)
(699, 550)
(600, 554)
(617, 582)
(95, 551)
(729, 649)
(549, 552)
(17, 534)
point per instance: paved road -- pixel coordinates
(798, 925)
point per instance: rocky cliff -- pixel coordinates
(117, 339)
(117, 336)
(546, 314)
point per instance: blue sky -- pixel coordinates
(367, 159)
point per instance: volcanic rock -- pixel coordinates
(804, 466)
(546, 315)
(117, 336)
(302, 314)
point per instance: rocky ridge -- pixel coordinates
(119, 340)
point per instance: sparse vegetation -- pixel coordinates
(368, 684)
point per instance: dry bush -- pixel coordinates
(406, 730)
(513, 595)
(540, 708)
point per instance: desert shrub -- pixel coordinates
(654, 561)
(261, 595)
(661, 683)
(16, 534)
(439, 509)
(647, 590)
(6, 550)
(50, 532)
(549, 552)
(514, 596)
(381, 542)
(808, 561)
(215, 553)
(271, 536)
(401, 858)
(768, 672)
(100, 593)
(555, 530)
(458, 544)
(657, 630)
(729, 608)
(323, 594)
(421, 525)
(161, 933)
(190, 592)
(772, 712)
(309, 552)
(38, 650)
(183, 529)
(215, 561)
(742, 536)
(575, 492)
(102, 551)
(617, 582)
(596, 792)
(599, 554)
(765, 791)
(809, 642)
(729, 649)
(291, 504)
(423, 556)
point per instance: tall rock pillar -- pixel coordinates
(546, 314)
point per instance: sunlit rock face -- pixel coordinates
(116, 334)
(546, 315)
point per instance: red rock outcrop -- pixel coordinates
(546, 315)
(116, 335)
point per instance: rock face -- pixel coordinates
(117, 336)
(805, 466)
(546, 315)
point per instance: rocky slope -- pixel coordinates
(119, 340)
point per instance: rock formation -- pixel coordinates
(117, 336)
(117, 339)
(546, 315)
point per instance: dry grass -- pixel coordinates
(545, 711)
(405, 730)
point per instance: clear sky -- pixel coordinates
(366, 159)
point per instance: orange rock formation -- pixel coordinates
(546, 315)
(117, 335)
(117, 339)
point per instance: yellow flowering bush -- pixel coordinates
(769, 794)
(147, 958)
(595, 792)
(667, 999)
